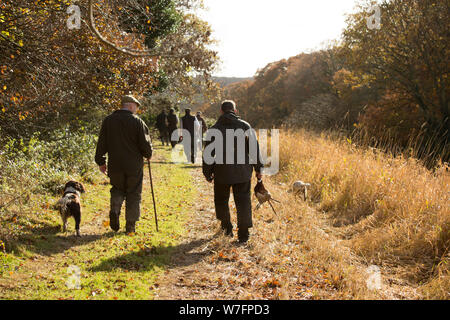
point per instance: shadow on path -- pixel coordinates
(49, 240)
(149, 258)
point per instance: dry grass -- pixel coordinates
(368, 211)
(293, 255)
(289, 256)
(391, 212)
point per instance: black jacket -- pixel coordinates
(188, 123)
(126, 140)
(172, 121)
(232, 173)
(161, 122)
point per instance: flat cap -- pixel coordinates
(130, 99)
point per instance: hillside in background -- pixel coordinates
(225, 81)
(199, 97)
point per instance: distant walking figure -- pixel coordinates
(189, 123)
(126, 140)
(202, 131)
(172, 122)
(227, 173)
(162, 126)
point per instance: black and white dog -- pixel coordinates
(70, 205)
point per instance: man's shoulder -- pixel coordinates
(245, 123)
(110, 117)
(139, 120)
(215, 125)
(129, 117)
(120, 113)
(242, 124)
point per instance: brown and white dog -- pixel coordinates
(70, 205)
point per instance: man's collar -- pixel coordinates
(124, 110)
(230, 113)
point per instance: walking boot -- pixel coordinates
(114, 221)
(228, 229)
(243, 235)
(130, 227)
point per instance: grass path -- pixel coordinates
(112, 266)
(292, 255)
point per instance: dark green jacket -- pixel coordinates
(234, 173)
(125, 138)
(161, 122)
(172, 121)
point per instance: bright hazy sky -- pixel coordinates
(253, 33)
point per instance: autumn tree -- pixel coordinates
(52, 76)
(407, 58)
(387, 81)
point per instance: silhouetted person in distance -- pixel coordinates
(202, 122)
(189, 123)
(204, 128)
(172, 122)
(233, 174)
(161, 125)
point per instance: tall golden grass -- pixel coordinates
(389, 211)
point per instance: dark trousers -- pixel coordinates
(173, 142)
(127, 188)
(242, 199)
(164, 136)
(189, 151)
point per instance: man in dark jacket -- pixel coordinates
(232, 168)
(188, 124)
(125, 138)
(172, 121)
(161, 125)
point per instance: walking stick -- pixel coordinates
(153, 193)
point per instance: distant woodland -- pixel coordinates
(389, 85)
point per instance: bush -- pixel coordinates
(49, 162)
(40, 167)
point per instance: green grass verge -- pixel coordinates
(111, 266)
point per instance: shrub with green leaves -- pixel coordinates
(35, 169)
(44, 166)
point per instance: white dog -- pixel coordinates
(301, 187)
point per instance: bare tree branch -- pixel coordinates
(128, 51)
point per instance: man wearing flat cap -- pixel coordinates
(125, 138)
